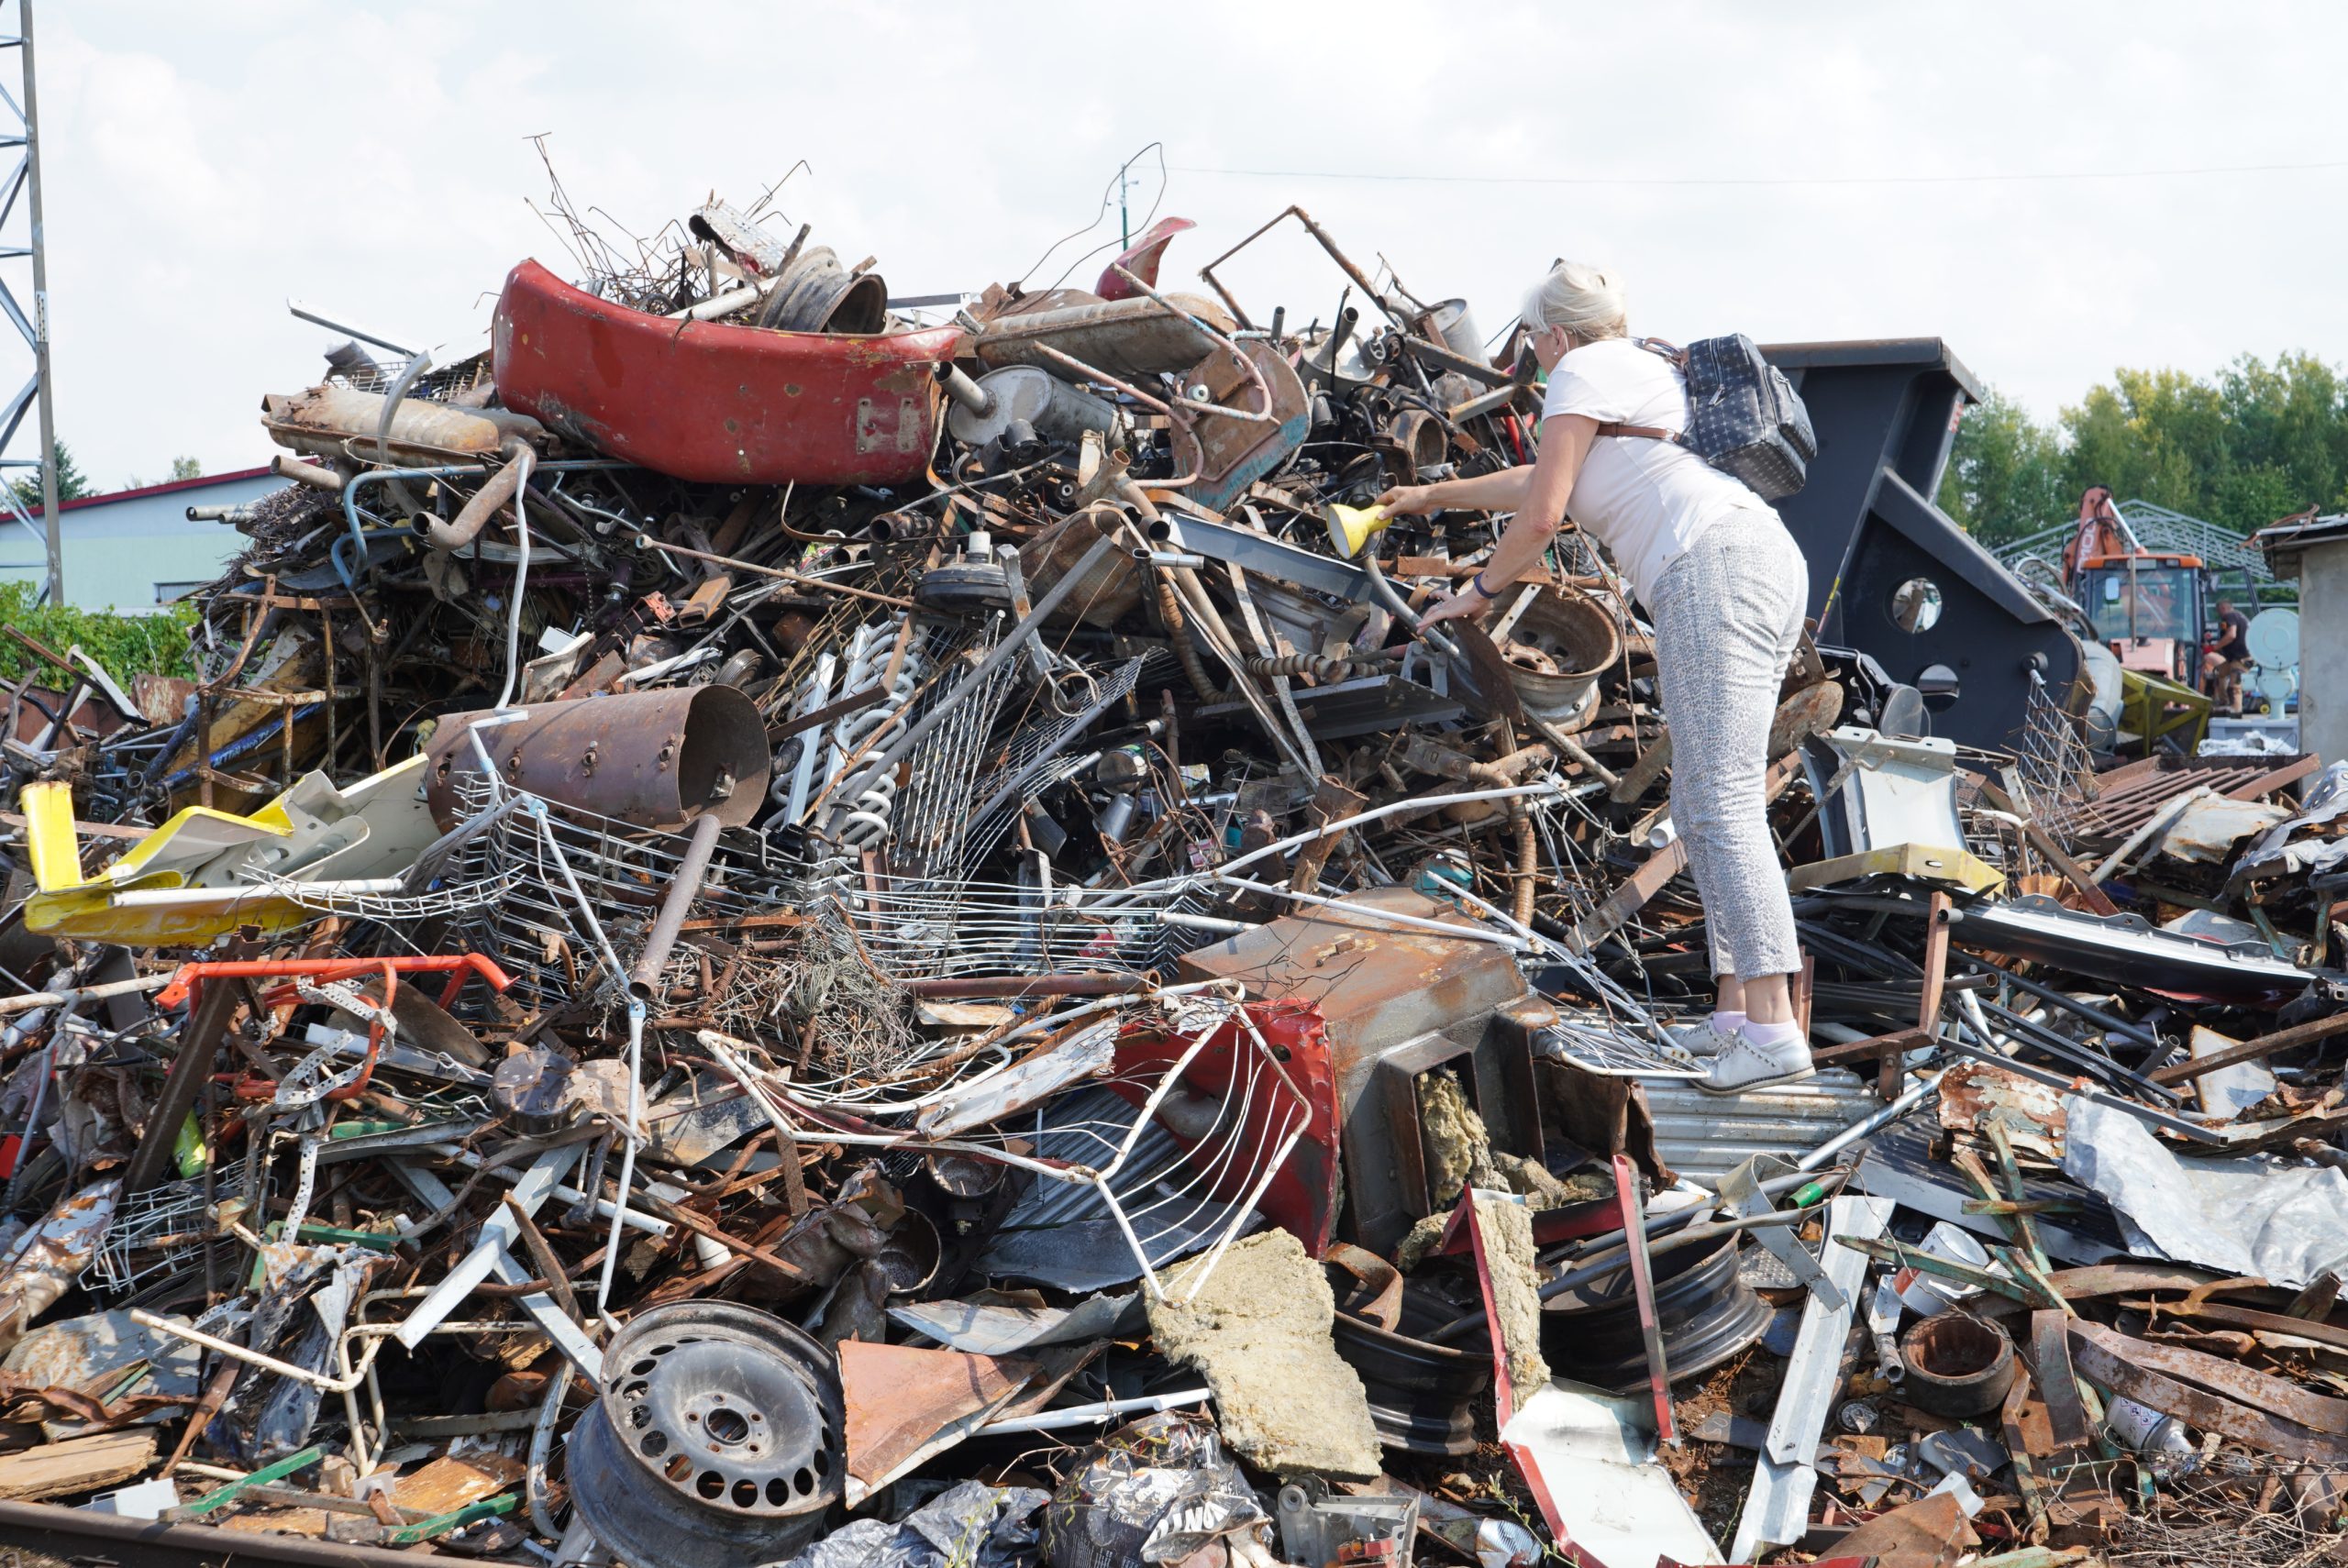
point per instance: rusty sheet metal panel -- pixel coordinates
(1974, 1096)
(1396, 1004)
(715, 402)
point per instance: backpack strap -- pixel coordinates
(1656, 346)
(1679, 356)
(1644, 433)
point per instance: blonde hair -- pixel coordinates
(1586, 300)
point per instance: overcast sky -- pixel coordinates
(205, 162)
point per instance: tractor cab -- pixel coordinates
(2151, 610)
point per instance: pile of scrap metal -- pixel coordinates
(782, 934)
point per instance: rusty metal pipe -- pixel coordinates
(476, 513)
(692, 869)
(299, 472)
(1177, 631)
(1528, 861)
(1128, 337)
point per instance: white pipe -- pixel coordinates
(1858, 1130)
(32, 1000)
(1413, 922)
(169, 898)
(1415, 803)
(1095, 1415)
(1205, 923)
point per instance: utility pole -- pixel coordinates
(25, 180)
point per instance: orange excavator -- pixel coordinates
(2150, 607)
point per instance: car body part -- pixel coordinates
(713, 401)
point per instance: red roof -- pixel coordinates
(145, 489)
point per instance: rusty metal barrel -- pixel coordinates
(652, 760)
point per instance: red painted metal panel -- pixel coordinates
(715, 402)
(1302, 1198)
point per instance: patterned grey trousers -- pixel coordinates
(1727, 618)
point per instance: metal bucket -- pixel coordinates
(817, 294)
(1457, 324)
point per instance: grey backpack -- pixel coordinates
(1743, 417)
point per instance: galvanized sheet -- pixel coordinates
(1704, 1136)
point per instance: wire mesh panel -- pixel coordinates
(1023, 759)
(537, 931)
(2054, 762)
(939, 930)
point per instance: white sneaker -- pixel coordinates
(1701, 1038)
(1744, 1064)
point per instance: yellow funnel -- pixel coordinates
(1350, 527)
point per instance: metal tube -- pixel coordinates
(644, 979)
(301, 312)
(1419, 803)
(32, 1000)
(477, 510)
(1097, 1414)
(964, 390)
(1408, 923)
(1860, 1129)
(317, 477)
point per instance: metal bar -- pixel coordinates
(52, 523)
(200, 1037)
(1634, 1235)
(536, 1186)
(1777, 1510)
(692, 869)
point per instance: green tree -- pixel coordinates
(2005, 475)
(72, 484)
(2256, 441)
(187, 467)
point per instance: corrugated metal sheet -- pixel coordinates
(1704, 1136)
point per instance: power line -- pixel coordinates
(1791, 180)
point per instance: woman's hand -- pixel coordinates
(1405, 500)
(1465, 604)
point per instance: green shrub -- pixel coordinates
(125, 645)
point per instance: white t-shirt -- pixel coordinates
(1645, 501)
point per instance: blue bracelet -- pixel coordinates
(1477, 582)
